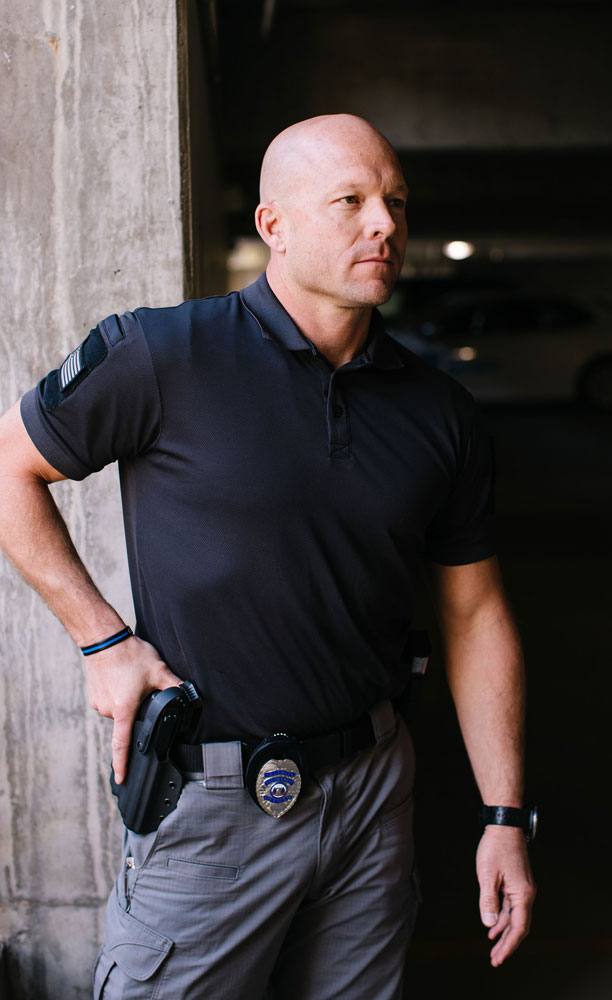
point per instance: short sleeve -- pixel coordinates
(101, 405)
(463, 531)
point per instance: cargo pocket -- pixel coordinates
(132, 952)
(101, 971)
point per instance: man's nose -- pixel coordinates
(379, 221)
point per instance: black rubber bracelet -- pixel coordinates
(112, 640)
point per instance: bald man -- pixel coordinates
(284, 466)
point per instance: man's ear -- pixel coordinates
(269, 223)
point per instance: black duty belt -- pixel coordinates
(276, 770)
(318, 751)
(273, 771)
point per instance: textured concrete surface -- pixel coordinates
(90, 224)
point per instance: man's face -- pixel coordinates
(345, 222)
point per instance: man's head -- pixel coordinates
(332, 211)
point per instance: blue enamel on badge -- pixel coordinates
(277, 786)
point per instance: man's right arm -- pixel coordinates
(35, 539)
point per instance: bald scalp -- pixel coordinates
(292, 156)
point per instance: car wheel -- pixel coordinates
(596, 384)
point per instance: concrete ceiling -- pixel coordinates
(502, 113)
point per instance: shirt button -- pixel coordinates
(338, 410)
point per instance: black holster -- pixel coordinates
(153, 783)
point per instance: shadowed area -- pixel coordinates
(554, 492)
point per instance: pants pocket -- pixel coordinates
(132, 953)
(202, 870)
(101, 971)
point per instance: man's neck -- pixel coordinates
(339, 333)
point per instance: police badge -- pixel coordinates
(275, 774)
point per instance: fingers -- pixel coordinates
(125, 714)
(502, 921)
(510, 925)
(514, 927)
(503, 870)
(120, 743)
(489, 903)
(118, 680)
(167, 679)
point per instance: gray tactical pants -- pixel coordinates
(223, 902)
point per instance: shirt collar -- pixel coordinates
(273, 319)
(276, 324)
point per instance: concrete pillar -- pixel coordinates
(90, 224)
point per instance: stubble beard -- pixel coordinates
(371, 297)
(352, 293)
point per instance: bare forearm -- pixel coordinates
(36, 540)
(485, 672)
(486, 677)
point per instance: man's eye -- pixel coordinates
(397, 203)
(350, 199)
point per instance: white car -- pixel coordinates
(506, 346)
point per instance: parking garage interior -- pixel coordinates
(132, 137)
(502, 117)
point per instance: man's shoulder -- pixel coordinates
(190, 312)
(207, 326)
(441, 389)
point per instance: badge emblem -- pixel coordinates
(277, 786)
(276, 773)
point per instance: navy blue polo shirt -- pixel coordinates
(275, 509)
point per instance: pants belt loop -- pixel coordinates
(384, 722)
(222, 764)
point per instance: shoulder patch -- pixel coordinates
(73, 366)
(59, 384)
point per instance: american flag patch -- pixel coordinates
(71, 368)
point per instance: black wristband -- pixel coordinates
(526, 819)
(112, 640)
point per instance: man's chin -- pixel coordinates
(376, 293)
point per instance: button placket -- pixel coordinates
(339, 433)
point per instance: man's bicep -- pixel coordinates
(463, 593)
(19, 456)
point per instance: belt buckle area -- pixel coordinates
(276, 773)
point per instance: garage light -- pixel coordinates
(458, 250)
(466, 354)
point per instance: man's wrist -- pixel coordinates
(111, 640)
(93, 625)
(523, 818)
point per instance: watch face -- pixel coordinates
(533, 823)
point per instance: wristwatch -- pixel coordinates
(526, 818)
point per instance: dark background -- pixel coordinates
(553, 501)
(502, 116)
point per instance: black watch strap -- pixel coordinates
(526, 819)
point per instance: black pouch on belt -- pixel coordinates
(416, 657)
(153, 784)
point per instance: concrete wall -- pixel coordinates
(90, 224)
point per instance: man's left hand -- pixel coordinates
(503, 871)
